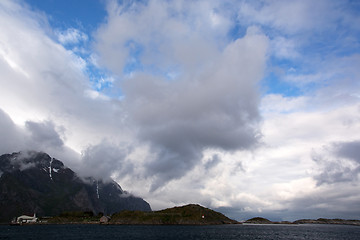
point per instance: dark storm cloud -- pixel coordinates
(44, 133)
(217, 109)
(349, 150)
(338, 162)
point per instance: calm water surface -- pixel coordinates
(227, 232)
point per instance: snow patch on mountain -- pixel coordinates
(50, 169)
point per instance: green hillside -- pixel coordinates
(191, 214)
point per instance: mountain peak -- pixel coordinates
(21, 161)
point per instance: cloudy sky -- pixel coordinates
(248, 107)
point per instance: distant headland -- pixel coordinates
(260, 220)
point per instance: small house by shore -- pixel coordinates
(104, 220)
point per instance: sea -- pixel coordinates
(228, 232)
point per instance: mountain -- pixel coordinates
(192, 214)
(33, 182)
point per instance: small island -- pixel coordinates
(260, 220)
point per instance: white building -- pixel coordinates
(27, 219)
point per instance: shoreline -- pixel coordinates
(346, 222)
(336, 221)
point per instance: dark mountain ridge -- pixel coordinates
(33, 182)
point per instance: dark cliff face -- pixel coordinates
(34, 182)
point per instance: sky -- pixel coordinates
(251, 108)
